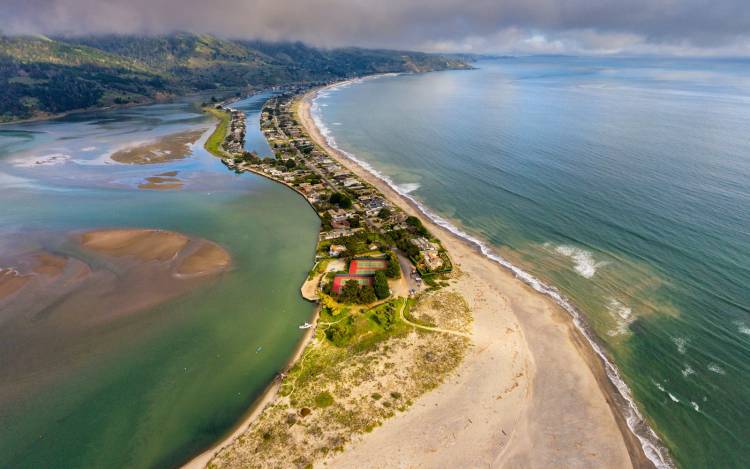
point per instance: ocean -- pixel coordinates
(158, 385)
(620, 186)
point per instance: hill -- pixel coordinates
(42, 76)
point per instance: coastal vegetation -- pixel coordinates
(363, 366)
(220, 132)
(42, 76)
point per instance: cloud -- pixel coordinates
(501, 26)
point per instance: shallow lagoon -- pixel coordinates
(152, 388)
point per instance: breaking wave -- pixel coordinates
(649, 440)
(583, 260)
(742, 328)
(622, 315)
(409, 187)
(681, 344)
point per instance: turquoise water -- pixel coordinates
(625, 183)
(152, 388)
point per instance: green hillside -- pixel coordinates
(41, 76)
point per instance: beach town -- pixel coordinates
(361, 231)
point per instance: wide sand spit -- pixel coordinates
(530, 393)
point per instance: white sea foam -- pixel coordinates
(51, 159)
(681, 344)
(409, 187)
(695, 406)
(742, 327)
(87, 149)
(337, 123)
(650, 443)
(716, 369)
(622, 315)
(671, 396)
(687, 371)
(583, 260)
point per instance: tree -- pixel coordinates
(367, 295)
(384, 213)
(290, 164)
(416, 224)
(326, 221)
(381, 285)
(350, 292)
(342, 200)
(393, 270)
(354, 222)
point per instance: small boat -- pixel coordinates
(306, 325)
(258, 349)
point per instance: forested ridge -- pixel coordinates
(41, 75)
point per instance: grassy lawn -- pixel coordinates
(213, 144)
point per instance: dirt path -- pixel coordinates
(428, 328)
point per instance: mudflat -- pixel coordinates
(145, 245)
(168, 148)
(57, 305)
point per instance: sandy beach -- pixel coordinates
(530, 392)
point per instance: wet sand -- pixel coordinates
(57, 306)
(145, 245)
(160, 183)
(530, 394)
(208, 258)
(11, 281)
(168, 148)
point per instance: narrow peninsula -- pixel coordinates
(419, 343)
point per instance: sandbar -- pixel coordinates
(168, 148)
(145, 245)
(161, 183)
(208, 258)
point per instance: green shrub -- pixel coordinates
(324, 399)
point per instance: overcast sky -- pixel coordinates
(685, 27)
